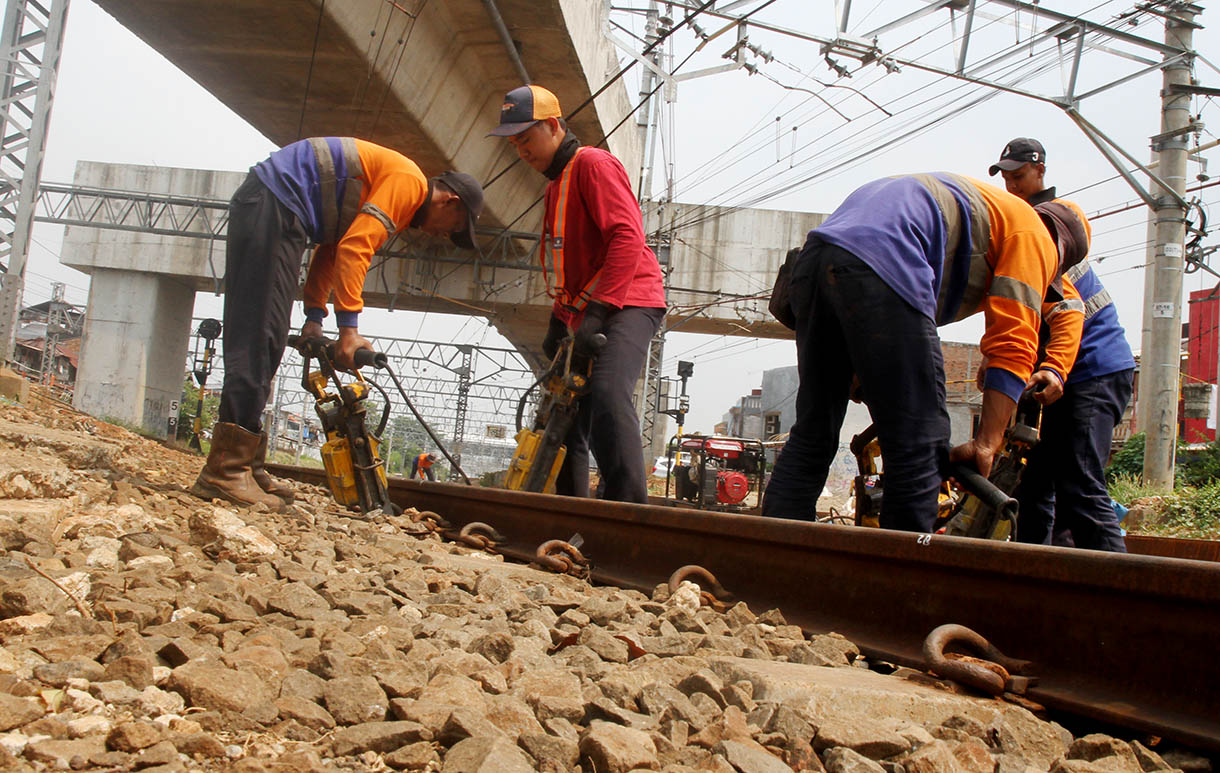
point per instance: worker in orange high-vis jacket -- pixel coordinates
(603, 279)
(348, 196)
(899, 257)
(421, 466)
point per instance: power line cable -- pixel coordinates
(402, 51)
(1044, 54)
(313, 55)
(873, 146)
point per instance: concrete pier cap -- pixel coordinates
(141, 297)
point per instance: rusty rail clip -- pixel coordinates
(995, 676)
(480, 536)
(718, 598)
(432, 521)
(563, 558)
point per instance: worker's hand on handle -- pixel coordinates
(997, 411)
(1044, 386)
(585, 344)
(345, 350)
(974, 453)
(556, 331)
(311, 329)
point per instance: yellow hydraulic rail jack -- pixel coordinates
(982, 508)
(540, 450)
(993, 515)
(354, 470)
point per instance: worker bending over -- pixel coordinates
(603, 279)
(1063, 488)
(348, 196)
(421, 466)
(899, 257)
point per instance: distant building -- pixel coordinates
(31, 342)
(745, 418)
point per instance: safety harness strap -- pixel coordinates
(554, 235)
(336, 218)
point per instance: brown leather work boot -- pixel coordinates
(228, 474)
(263, 478)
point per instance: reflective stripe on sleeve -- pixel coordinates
(1016, 290)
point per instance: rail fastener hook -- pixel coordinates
(716, 597)
(995, 675)
(431, 520)
(563, 558)
(480, 536)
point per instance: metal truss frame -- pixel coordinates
(208, 218)
(31, 41)
(451, 384)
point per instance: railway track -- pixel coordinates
(1129, 640)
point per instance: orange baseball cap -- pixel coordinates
(523, 107)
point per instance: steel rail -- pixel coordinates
(1126, 639)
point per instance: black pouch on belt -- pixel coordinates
(779, 305)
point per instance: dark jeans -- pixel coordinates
(265, 244)
(1064, 485)
(606, 421)
(850, 321)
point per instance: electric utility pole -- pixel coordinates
(1161, 361)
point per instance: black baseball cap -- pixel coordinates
(523, 107)
(1022, 150)
(471, 193)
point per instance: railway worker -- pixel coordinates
(1063, 487)
(603, 279)
(421, 466)
(348, 196)
(899, 257)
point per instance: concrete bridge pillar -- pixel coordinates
(133, 355)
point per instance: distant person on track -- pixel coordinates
(603, 279)
(1063, 488)
(348, 196)
(421, 467)
(899, 257)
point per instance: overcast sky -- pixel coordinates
(119, 101)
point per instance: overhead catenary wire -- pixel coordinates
(615, 78)
(313, 56)
(373, 60)
(402, 51)
(1048, 56)
(837, 83)
(939, 115)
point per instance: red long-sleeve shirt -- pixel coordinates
(602, 229)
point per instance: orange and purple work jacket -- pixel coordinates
(952, 246)
(351, 196)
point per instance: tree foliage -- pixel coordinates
(1194, 467)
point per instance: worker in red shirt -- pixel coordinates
(603, 279)
(348, 196)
